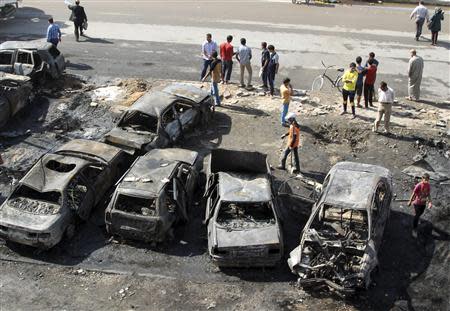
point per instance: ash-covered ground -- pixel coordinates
(91, 271)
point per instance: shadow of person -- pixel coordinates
(95, 40)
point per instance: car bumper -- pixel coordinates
(230, 261)
(41, 240)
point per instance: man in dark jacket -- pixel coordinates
(78, 17)
(435, 25)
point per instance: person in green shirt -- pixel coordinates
(348, 91)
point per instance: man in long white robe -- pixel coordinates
(415, 70)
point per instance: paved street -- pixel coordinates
(161, 39)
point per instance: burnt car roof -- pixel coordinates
(174, 154)
(349, 182)
(26, 45)
(153, 103)
(148, 174)
(91, 148)
(43, 179)
(187, 91)
(235, 187)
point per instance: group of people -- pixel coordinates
(78, 17)
(420, 15)
(213, 64)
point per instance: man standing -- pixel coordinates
(372, 57)
(53, 33)
(385, 101)
(208, 47)
(78, 17)
(371, 75)
(420, 14)
(215, 70)
(286, 92)
(348, 90)
(415, 70)
(359, 82)
(226, 53)
(244, 56)
(419, 197)
(265, 56)
(293, 143)
(273, 68)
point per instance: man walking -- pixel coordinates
(348, 90)
(265, 56)
(244, 56)
(359, 82)
(208, 47)
(435, 25)
(273, 68)
(53, 33)
(415, 70)
(78, 17)
(292, 144)
(286, 92)
(371, 75)
(215, 70)
(420, 14)
(385, 101)
(419, 197)
(226, 54)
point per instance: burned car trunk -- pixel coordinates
(15, 92)
(34, 59)
(341, 240)
(159, 119)
(241, 212)
(61, 187)
(153, 195)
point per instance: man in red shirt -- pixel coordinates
(226, 53)
(419, 197)
(371, 75)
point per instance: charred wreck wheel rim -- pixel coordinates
(317, 84)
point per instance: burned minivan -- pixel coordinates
(241, 211)
(60, 188)
(154, 195)
(340, 243)
(15, 92)
(160, 118)
(34, 59)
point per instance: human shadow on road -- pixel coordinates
(94, 40)
(80, 66)
(246, 110)
(445, 106)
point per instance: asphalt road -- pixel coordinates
(161, 39)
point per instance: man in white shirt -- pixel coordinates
(420, 14)
(385, 101)
(244, 56)
(208, 47)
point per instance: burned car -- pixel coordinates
(60, 188)
(154, 195)
(15, 92)
(34, 59)
(241, 211)
(160, 118)
(340, 242)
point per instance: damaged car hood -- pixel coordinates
(249, 237)
(236, 187)
(132, 139)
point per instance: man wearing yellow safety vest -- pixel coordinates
(293, 143)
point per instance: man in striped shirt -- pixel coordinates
(53, 33)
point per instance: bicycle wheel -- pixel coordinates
(339, 84)
(317, 84)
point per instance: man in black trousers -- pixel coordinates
(78, 17)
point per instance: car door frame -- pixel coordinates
(30, 52)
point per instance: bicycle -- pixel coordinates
(337, 82)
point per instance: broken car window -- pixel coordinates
(60, 167)
(181, 108)
(137, 206)
(76, 192)
(54, 51)
(139, 121)
(168, 116)
(24, 58)
(6, 58)
(245, 215)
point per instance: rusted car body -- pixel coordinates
(61, 187)
(153, 195)
(160, 118)
(241, 211)
(34, 59)
(15, 92)
(340, 242)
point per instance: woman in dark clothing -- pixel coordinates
(435, 24)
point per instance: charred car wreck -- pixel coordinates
(241, 211)
(154, 195)
(60, 188)
(15, 92)
(340, 242)
(160, 118)
(34, 59)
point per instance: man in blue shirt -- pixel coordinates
(53, 33)
(360, 81)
